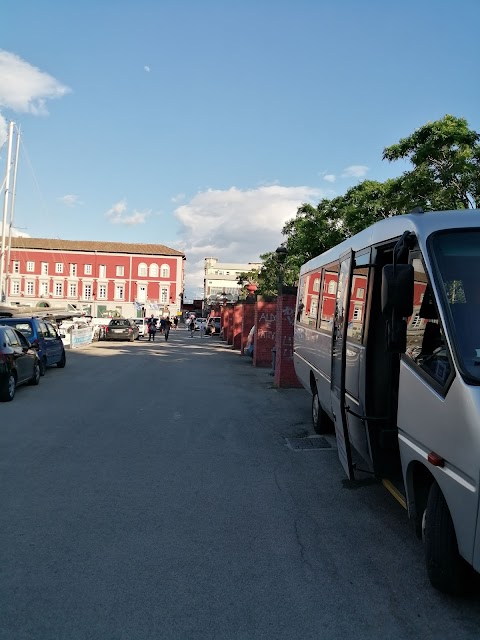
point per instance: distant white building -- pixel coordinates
(221, 278)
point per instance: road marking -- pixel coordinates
(395, 493)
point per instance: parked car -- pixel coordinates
(121, 329)
(200, 323)
(19, 362)
(43, 336)
(142, 327)
(213, 325)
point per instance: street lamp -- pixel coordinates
(281, 257)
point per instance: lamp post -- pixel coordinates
(281, 257)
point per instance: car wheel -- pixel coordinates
(63, 361)
(43, 366)
(320, 420)
(447, 570)
(35, 379)
(7, 391)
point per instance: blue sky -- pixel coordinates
(203, 124)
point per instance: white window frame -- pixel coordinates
(102, 271)
(15, 287)
(16, 266)
(30, 266)
(120, 270)
(58, 287)
(142, 270)
(44, 288)
(87, 291)
(153, 270)
(360, 293)
(44, 270)
(59, 267)
(165, 271)
(72, 289)
(164, 295)
(73, 269)
(102, 292)
(122, 288)
(30, 288)
(87, 270)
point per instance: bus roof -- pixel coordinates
(422, 224)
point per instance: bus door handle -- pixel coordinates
(364, 418)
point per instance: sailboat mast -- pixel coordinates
(5, 208)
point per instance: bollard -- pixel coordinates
(274, 360)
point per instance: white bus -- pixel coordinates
(387, 339)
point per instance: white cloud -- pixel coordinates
(330, 177)
(237, 225)
(355, 171)
(178, 198)
(24, 88)
(116, 214)
(147, 68)
(70, 200)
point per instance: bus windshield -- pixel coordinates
(457, 260)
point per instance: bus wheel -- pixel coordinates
(320, 420)
(447, 570)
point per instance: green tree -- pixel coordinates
(445, 156)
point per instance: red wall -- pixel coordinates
(265, 325)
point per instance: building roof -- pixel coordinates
(54, 244)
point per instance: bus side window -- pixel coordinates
(356, 313)
(307, 309)
(426, 345)
(328, 297)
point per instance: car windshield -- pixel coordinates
(457, 258)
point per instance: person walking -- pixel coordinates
(167, 327)
(175, 322)
(191, 326)
(162, 325)
(152, 328)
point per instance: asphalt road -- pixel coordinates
(147, 492)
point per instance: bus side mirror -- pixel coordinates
(397, 290)
(397, 304)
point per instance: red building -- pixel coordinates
(103, 278)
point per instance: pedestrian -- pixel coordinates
(191, 326)
(202, 328)
(162, 325)
(168, 324)
(175, 322)
(152, 328)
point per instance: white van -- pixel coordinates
(387, 340)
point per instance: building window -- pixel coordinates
(119, 291)
(73, 269)
(153, 270)
(59, 288)
(142, 270)
(15, 288)
(16, 266)
(165, 271)
(72, 290)
(30, 266)
(44, 269)
(59, 267)
(102, 291)
(360, 292)
(102, 271)
(164, 295)
(44, 288)
(120, 270)
(88, 270)
(87, 291)
(316, 284)
(29, 288)
(332, 286)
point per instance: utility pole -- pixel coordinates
(12, 211)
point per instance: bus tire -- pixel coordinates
(447, 570)
(320, 420)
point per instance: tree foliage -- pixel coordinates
(445, 174)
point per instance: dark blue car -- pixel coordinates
(43, 335)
